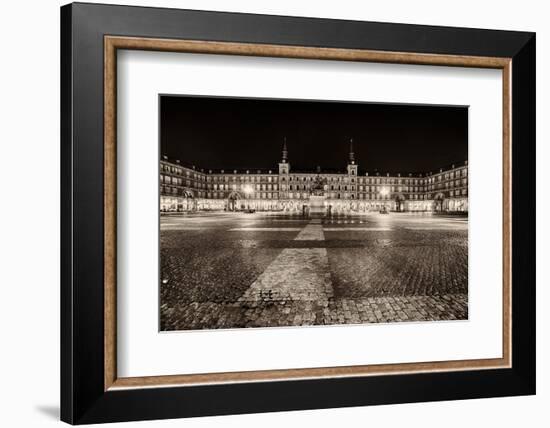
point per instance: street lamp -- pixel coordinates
(247, 189)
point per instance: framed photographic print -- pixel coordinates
(264, 213)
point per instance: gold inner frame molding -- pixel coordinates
(113, 43)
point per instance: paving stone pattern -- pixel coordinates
(251, 270)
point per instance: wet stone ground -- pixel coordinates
(236, 270)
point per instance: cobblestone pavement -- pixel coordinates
(251, 270)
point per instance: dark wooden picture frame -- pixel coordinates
(90, 390)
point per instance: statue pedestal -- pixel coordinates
(317, 206)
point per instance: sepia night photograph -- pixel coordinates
(290, 213)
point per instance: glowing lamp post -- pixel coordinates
(384, 192)
(247, 189)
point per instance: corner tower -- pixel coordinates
(352, 172)
(284, 169)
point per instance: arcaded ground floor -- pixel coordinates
(232, 270)
(300, 206)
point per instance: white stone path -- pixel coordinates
(296, 274)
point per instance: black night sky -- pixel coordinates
(229, 133)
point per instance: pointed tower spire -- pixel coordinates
(351, 153)
(285, 151)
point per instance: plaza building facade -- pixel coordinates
(283, 189)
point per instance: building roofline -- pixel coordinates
(275, 170)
